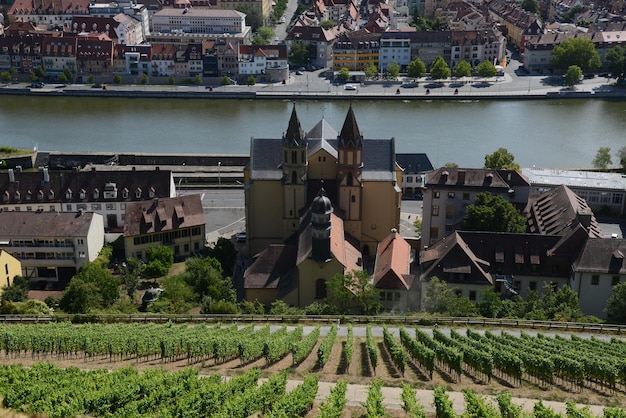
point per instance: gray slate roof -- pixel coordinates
(44, 224)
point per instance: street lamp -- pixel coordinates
(219, 173)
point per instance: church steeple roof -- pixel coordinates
(350, 135)
(295, 134)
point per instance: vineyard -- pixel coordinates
(173, 356)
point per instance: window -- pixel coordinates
(435, 210)
(409, 179)
(381, 296)
(532, 285)
(110, 206)
(615, 281)
(595, 280)
(436, 195)
(320, 289)
(472, 295)
(466, 196)
(434, 233)
(450, 195)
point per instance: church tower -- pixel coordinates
(294, 180)
(350, 174)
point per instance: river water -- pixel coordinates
(542, 133)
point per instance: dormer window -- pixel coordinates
(96, 193)
(152, 192)
(125, 193)
(17, 195)
(68, 194)
(110, 191)
(5, 196)
(51, 195)
(138, 193)
(40, 195)
(82, 194)
(29, 195)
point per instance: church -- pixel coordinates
(317, 204)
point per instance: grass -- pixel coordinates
(6, 150)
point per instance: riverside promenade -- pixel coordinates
(313, 86)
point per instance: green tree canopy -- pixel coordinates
(17, 291)
(486, 69)
(393, 69)
(353, 290)
(264, 36)
(616, 304)
(439, 69)
(371, 70)
(573, 75)
(144, 79)
(117, 79)
(92, 288)
(300, 53)
(224, 252)
(68, 73)
(327, 24)
(616, 62)
(204, 276)
(463, 69)
(621, 154)
(5, 76)
(343, 75)
(501, 159)
(62, 78)
(416, 68)
(493, 213)
(576, 51)
(602, 160)
(530, 6)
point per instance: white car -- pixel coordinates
(350, 87)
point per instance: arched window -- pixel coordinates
(350, 180)
(320, 289)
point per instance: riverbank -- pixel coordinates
(315, 89)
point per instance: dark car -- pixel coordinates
(37, 85)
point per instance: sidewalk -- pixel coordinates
(357, 395)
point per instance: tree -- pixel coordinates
(33, 77)
(91, 79)
(300, 53)
(224, 252)
(393, 69)
(616, 304)
(92, 288)
(251, 80)
(343, 75)
(144, 79)
(616, 62)
(530, 6)
(68, 73)
(501, 159)
(416, 68)
(573, 75)
(197, 80)
(131, 274)
(117, 79)
(17, 291)
(160, 259)
(438, 296)
(177, 297)
(353, 289)
(370, 70)
(576, 51)
(493, 213)
(602, 160)
(224, 81)
(171, 80)
(327, 24)
(204, 276)
(417, 226)
(621, 154)
(39, 72)
(5, 76)
(462, 69)
(62, 78)
(486, 69)
(264, 36)
(439, 69)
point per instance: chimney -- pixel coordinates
(394, 233)
(11, 175)
(584, 217)
(46, 175)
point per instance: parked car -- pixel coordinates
(37, 85)
(241, 236)
(350, 87)
(298, 72)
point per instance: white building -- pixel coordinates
(205, 21)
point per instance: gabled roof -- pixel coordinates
(414, 163)
(479, 178)
(393, 258)
(45, 224)
(602, 255)
(274, 268)
(554, 211)
(165, 214)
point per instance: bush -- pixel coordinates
(208, 305)
(117, 79)
(155, 269)
(163, 254)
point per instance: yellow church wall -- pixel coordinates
(322, 165)
(265, 296)
(264, 214)
(309, 271)
(381, 212)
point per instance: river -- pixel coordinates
(562, 133)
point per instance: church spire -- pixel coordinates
(350, 135)
(295, 135)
